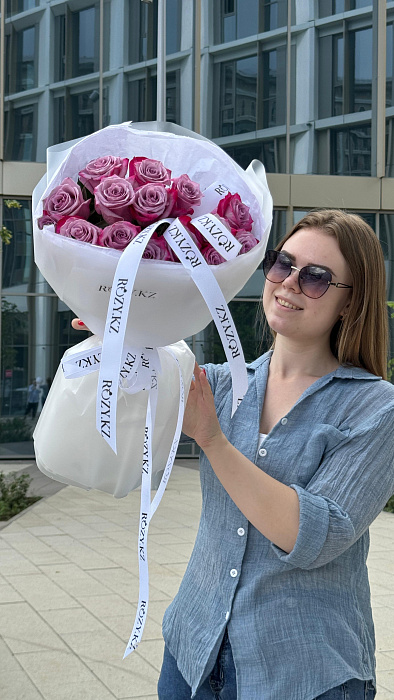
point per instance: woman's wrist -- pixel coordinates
(214, 445)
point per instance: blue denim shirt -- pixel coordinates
(299, 623)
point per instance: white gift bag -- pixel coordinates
(68, 447)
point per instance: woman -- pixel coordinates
(275, 602)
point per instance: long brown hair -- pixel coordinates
(361, 337)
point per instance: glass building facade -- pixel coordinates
(305, 87)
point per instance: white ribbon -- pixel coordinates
(212, 196)
(114, 334)
(183, 245)
(218, 235)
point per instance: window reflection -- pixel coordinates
(143, 29)
(84, 113)
(360, 49)
(351, 151)
(142, 98)
(237, 19)
(20, 59)
(238, 96)
(271, 152)
(274, 87)
(21, 133)
(18, 255)
(85, 47)
(15, 6)
(333, 7)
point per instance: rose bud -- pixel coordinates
(66, 200)
(80, 229)
(113, 198)
(143, 171)
(247, 239)
(235, 212)
(105, 166)
(152, 202)
(212, 256)
(188, 195)
(118, 235)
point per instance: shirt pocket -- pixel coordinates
(296, 458)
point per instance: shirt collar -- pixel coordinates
(343, 371)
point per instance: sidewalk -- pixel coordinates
(69, 588)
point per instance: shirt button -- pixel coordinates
(262, 452)
(284, 421)
(227, 614)
(233, 573)
(241, 531)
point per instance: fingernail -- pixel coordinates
(81, 323)
(203, 370)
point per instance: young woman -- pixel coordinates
(275, 602)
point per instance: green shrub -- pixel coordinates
(390, 505)
(15, 429)
(13, 494)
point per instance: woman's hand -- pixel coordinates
(200, 421)
(79, 325)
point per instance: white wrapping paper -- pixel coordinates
(68, 447)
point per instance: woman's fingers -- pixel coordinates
(79, 325)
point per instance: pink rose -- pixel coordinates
(44, 220)
(235, 212)
(66, 200)
(113, 198)
(158, 249)
(145, 170)
(247, 239)
(105, 166)
(118, 235)
(80, 229)
(188, 195)
(212, 256)
(152, 202)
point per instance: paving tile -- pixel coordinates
(74, 580)
(152, 651)
(41, 530)
(52, 670)
(8, 594)
(17, 686)
(136, 678)
(72, 620)
(125, 584)
(122, 626)
(78, 553)
(41, 592)
(23, 630)
(386, 680)
(12, 562)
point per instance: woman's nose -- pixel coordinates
(291, 281)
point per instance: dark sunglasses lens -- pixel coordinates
(314, 281)
(276, 266)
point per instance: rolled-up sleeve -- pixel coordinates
(348, 491)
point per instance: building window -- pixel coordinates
(271, 152)
(21, 59)
(333, 7)
(21, 133)
(13, 7)
(274, 87)
(143, 29)
(237, 19)
(238, 97)
(85, 50)
(351, 151)
(77, 42)
(389, 65)
(18, 255)
(345, 76)
(84, 113)
(142, 98)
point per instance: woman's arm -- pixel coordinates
(272, 507)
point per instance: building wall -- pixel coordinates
(305, 87)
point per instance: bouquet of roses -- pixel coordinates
(114, 199)
(146, 249)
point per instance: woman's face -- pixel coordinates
(308, 319)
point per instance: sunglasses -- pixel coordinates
(313, 280)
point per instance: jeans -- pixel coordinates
(221, 683)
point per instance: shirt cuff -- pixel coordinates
(312, 533)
